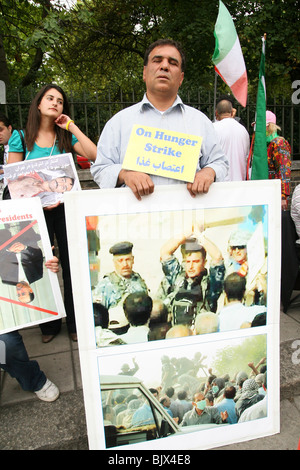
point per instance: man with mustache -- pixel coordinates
(161, 108)
(189, 287)
(115, 286)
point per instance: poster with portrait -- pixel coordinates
(29, 292)
(49, 178)
(177, 293)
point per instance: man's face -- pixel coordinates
(5, 133)
(239, 254)
(61, 185)
(198, 397)
(194, 264)
(123, 264)
(163, 71)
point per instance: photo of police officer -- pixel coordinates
(113, 288)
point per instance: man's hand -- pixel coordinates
(140, 183)
(16, 247)
(53, 206)
(52, 264)
(62, 121)
(203, 179)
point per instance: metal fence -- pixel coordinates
(92, 110)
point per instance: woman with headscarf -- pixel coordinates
(249, 396)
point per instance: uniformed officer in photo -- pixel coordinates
(112, 290)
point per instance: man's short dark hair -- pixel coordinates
(170, 391)
(5, 120)
(137, 308)
(182, 395)
(166, 42)
(259, 320)
(101, 316)
(230, 392)
(192, 246)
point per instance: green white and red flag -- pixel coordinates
(228, 57)
(260, 169)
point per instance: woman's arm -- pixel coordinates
(14, 157)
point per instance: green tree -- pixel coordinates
(233, 359)
(99, 44)
(20, 20)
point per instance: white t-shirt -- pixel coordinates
(233, 316)
(136, 334)
(235, 143)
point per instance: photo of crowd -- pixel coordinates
(197, 385)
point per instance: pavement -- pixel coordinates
(29, 424)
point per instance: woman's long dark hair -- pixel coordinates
(64, 138)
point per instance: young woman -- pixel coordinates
(50, 131)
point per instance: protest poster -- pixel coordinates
(29, 292)
(48, 178)
(163, 153)
(234, 218)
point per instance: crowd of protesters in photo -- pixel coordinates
(191, 400)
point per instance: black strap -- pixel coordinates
(21, 134)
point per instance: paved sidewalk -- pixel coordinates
(29, 424)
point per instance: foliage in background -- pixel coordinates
(99, 44)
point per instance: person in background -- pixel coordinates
(228, 403)
(5, 134)
(137, 308)
(203, 414)
(279, 158)
(234, 140)
(50, 131)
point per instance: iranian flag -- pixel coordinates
(228, 57)
(260, 169)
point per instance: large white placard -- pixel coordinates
(232, 217)
(48, 178)
(29, 292)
